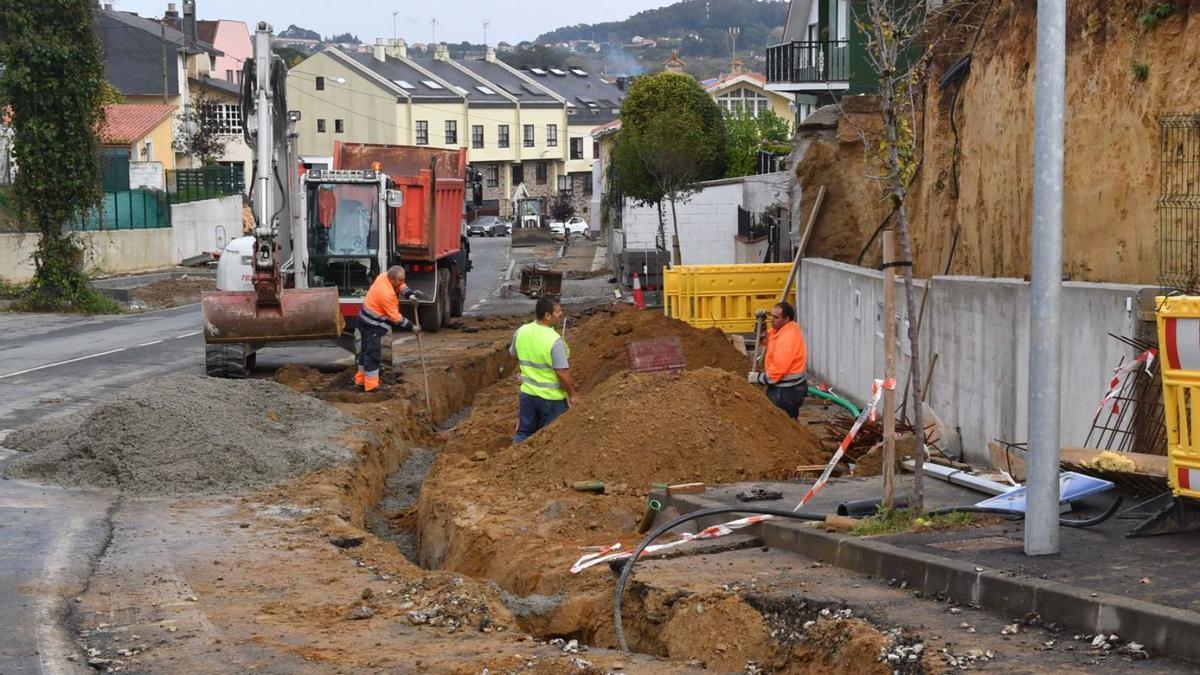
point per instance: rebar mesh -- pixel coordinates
(1179, 203)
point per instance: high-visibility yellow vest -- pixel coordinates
(533, 344)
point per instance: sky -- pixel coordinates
(457, 20)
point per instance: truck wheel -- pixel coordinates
(225, 361)
(458, 297)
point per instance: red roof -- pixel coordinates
(128, 122)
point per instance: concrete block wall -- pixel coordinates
(707, 224)
(979, 328)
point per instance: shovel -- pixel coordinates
(421, 351)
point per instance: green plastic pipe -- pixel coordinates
(854, 411)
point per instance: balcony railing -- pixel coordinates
(809, 62)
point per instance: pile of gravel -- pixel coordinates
(184, 434)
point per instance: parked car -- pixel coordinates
(487, 226)
(575, 226)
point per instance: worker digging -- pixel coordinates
(380, 312)
(785, 368)
(542, 360)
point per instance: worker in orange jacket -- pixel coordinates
(380, 311)
(786, 362)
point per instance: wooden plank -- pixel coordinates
(1150, 465)
(1010, 460)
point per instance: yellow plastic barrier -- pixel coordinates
(725, 296)
(1179, 354)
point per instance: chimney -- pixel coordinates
(189, 22)
(490, 55)
(398, 48)
(171, 13)
(442, 52)
(621, 82)
(380, 50)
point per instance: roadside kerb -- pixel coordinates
(1165, 630)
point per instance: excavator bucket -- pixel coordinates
(302, 314)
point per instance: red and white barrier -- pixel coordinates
(1145, 359)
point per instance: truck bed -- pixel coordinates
(429, 224)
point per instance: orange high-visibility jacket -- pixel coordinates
(383, 302)
(787, 356)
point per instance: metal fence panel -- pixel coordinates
(191, 185)
(127, 210)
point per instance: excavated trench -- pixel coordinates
(433, 495)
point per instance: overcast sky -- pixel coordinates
(457, 20)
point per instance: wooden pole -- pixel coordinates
(793, 275)
(889, 360)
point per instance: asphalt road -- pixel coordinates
(55, 365)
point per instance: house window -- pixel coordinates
(552, 135)
(339, 126)
(477, 137)
(226, 118)
(492, 175)
(518, 174)
(502, 135)
(749, 100)
(529, 135)
(564, 184)
(422, 132)
(540, 172)
(148, 150)
(320, 83)
(587, 186)
(576, 148)
(320, 126)
(229, 76)
(595, 148)
(451, 132)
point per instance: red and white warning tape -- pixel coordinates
(868, 412)
(604, 554)
(1145, 359)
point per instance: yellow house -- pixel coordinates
(747, 91)
(145, 130)
(515, 130)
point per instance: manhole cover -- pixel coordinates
(976, 544)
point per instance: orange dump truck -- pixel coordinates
(384, 205)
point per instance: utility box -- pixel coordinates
(648, 263)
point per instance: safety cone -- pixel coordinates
(638, 299)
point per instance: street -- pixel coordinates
(56, 365)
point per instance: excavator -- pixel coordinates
(234, 321)
(322, 235)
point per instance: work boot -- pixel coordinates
(371, 384)
(360, 378)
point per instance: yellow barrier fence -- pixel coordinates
(1179, 351)
(725, 296)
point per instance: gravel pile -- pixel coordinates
(184, 434)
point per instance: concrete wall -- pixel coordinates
(108, 252)
(979, 328)
(204, 226)
(708, 219)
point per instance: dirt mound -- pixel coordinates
(184, 434)
(598, 345)
(638, 428)
(174, 292)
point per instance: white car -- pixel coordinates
(575, 226)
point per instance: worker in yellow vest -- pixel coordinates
(379, 312)
(546, 386)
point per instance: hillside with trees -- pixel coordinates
(700, 26)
